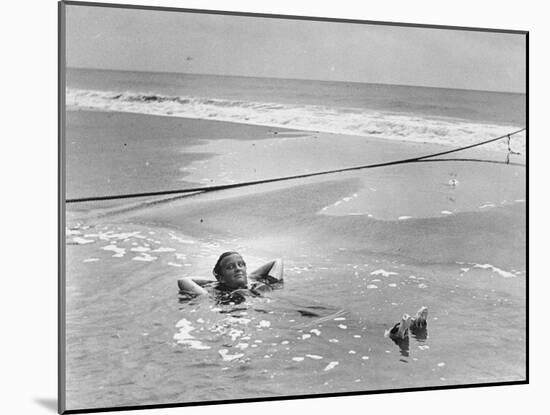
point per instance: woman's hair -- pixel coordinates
(216, 269)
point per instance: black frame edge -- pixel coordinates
(527, 274)
(289, 17)
(291, 397)
(61, 381)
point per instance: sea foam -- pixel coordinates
(330, 119)
(184, 336)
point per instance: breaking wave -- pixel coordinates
(317, 118)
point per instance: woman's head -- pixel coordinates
(230, 270)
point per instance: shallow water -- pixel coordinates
(132, 339)
(353, 264)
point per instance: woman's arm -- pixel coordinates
(202, 280)
(272, 271)
(191, 285)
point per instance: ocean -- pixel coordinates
(360, 248)
(393, 112)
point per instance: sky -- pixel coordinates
(163, 41)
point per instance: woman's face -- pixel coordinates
(233, 271)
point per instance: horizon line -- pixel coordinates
(297, 79)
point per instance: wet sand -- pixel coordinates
(113, 153)
(398, 253)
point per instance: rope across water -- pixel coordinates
(299, 176)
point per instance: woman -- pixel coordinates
(232, 278)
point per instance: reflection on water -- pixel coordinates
(403, 344)
(375, 199)
(419, 334)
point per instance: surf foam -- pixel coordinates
(184, 337)
(352, 121)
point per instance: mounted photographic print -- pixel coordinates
(256, 207)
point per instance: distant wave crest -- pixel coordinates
(352, 121)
